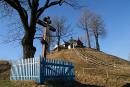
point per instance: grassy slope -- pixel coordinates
(6, 83)
(96, 74)
(4, 70)
(86, 72)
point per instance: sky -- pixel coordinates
(116, 17)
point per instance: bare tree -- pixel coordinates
(29, 11)
(63, 29)
(84, 22)
(129, 57)
(97, 28)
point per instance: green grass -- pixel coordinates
(6, 83)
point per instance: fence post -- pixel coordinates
(42, 70)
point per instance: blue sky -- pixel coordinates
(116, 16)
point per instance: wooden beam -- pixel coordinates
(44, 24)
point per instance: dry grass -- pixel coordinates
(86, 72)
(90, 73)
(4, 70)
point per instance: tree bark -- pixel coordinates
(88, 39)
(28, 51)
(97, 43)
(27, 43)
(58, 43)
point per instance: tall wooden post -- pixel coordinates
(44, 45)
(45, 23)
(44, 39)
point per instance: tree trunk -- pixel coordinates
(97, 43)
(88, 39)
(27, 43)
(58, 43)
(28, 51)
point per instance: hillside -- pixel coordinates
(92, 69)
(4, 70)
(96, 67)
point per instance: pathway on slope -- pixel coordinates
(81, 53)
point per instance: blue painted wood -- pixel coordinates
(41, 69)
(27, 69)
(57, 69)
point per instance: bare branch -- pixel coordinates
(12, 3)
(97, 28)
(29, 12)
(84, 22)
(54, 3)
(73, 3)
(62, 28)
(30, 4)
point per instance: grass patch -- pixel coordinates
(6, 83)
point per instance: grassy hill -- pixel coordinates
(96, 67)
(92, 69)
(4, 70)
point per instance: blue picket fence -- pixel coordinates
(26, 69)
(41, 69)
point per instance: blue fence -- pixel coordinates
(40, 70)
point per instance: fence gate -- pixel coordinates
(56, 69)
(41, 69)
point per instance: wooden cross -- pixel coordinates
(45, 23)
